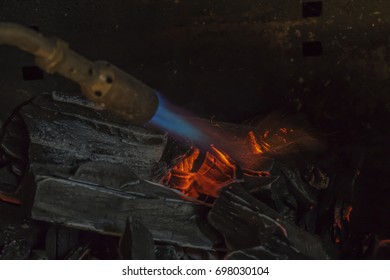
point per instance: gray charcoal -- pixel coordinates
(246, 222)
(166, 252)
(304, 193)
(16, 250)
(9, 182)
(271, 249)
(83, 201)
(60, 241)
(255, 184)
(65, 132)
(79, 252)
(316, 177)
(136, 242)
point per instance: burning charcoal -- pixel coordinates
(98, 197)
(136, 242)
(271, 249)
(174, 153)
(340, 196)
(60, 241)
(246, 222)
(216, 172)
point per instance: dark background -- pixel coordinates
(236, 59)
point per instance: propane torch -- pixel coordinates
(106, 85)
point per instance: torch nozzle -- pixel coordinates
(108, 86)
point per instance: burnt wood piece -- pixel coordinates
(66, 131)
(166, 252)
(246, 222)
(100, 197)
(305, 194)
(271, 249)
(13, 154)
(136, 242)
(16, 250)
(60, 241)
(15, 225)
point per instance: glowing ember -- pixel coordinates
(217, 170)
(9, 199)
(258, 146)
(218, 167)
(347, 214)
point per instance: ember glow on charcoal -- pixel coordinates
(219, 166)
(217, 170)
(9, 199)
(246, 147)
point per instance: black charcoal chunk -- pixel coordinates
(136, 242)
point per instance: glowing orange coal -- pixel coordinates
(218, 169)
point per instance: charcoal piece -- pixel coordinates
(66, 131)
(79, 252)
(304, 193)
(316, 177)
(174, 153)
(83, 201)
(60, 241)
(14, 225)
(9, 182)
(271, 249)
(255, 184)
(166, 252)
(381, 250)
(308, 220)
(246, 222)
(16, 250)
(14, 139)
(38, 255)
(277, 196)
(136, 242)
(254, 162)
(12, 147)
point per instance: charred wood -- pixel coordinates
(246, 222)
(136, 242)
(100, 197)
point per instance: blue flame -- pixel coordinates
(173, 120)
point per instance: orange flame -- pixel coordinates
(218, 169)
